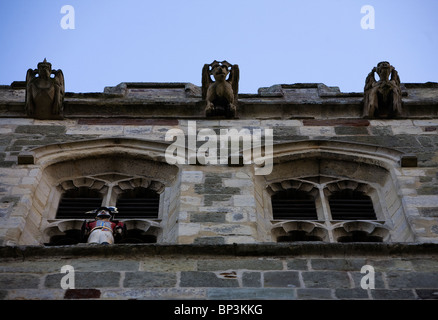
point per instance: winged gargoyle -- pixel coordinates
(383, 98)
(220, 95)
(44, 94)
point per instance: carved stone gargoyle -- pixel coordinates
(383, 98)
(220, 95)
(44, 94)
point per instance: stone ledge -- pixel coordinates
(265, 249)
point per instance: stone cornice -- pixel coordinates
(184, 101)
(299, 249)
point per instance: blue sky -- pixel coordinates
(272, 41)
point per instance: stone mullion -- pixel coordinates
(326, 212)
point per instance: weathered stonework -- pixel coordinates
(116, 140)
(211, 272)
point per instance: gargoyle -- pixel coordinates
(44, 94)
(220, 95)
(382, 99)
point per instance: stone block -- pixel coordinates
(337, 264)
(326, 279)
(357, 293)
(424, 265)
(244, 201)
(388, 265)
(317, 131)
(429, 294)
(207, 217)
(384, 294)
(19, 281)
(245, 264)
(90, 265)
(149, 279)
(314, 294)
(381, 131)
(205, 279)
(41, 129)
(297, 264)
(192, 176)
(421, 201)
(406, 130)
(210, 188)
(251, 294)
(189, 229)
(140, 131)
(192, 201)
(351, 131)
(251, 279)
(212, 199)
(286, 133)
(419, 280)
(228, 229)
(282, 279)
(154, 294)
(168, 265)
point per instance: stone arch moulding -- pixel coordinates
(327, 161)
(83, 161)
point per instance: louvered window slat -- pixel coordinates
(138, 203)
(76, 208)
(351, 206)
(293, 205)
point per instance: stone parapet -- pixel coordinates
(184, 101)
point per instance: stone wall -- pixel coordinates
(221, 203)
(220, 272)
(215, 230)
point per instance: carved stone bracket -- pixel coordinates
(346, 231)
(67, 232)
(360, 231)
(63, 232)
(299, 230)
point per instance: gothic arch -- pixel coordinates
(108, 165)
(330, 166)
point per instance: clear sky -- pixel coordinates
(272, 41)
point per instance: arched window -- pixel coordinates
(351, 205)
(292, 204)
(74, 203)
(324, 208)
(76, 177)
(354, 187)
(139, 203)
